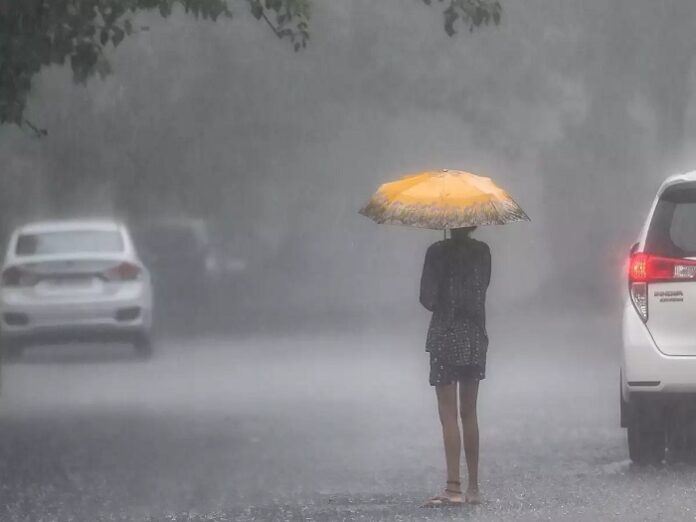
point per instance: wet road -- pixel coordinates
(324, 428)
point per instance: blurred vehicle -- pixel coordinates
(65, 281)
(658, 374)
(188, 267)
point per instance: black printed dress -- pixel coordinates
(456, 274)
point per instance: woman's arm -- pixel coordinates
(487, 266)
(430, 281)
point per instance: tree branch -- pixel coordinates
(39, 133)
(270, 24)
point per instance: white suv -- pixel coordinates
(658, 374)
(68, 281)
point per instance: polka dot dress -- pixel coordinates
(455, 278)
(442, 373)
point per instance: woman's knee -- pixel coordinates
(467, 400)
(447, 403)
(448, 416)
(447, 409)
(467, 411)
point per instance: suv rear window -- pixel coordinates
(672, 230)
(74, 241)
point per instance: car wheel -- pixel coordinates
(681, 441)
(646, 444)
(143, 347)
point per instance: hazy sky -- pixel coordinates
(577, 111)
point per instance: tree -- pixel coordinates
(38, 33)
(470, 13)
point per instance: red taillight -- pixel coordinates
(123, 272)
(17, 276)
(638, 269)
(645, 268)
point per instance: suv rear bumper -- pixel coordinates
(645, 369)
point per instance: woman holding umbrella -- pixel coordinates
(455, 278)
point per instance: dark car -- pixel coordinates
(188, 268)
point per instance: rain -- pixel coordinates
(288, 378)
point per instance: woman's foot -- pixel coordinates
(452, 496)
(473, 496)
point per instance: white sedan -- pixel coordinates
(66, 281)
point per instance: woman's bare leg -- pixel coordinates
(468, 394)
(447, 408)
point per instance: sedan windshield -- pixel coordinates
(74, 241)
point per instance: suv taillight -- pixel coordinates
(639, 297)
(123, 272)
(17, 276)
(645, 268)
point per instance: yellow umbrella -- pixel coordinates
(443, 199)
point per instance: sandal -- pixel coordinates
(473, 497)
(443, 500)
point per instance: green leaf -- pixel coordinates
(103, 68)
(451, 16)
(257, 10)
(117, 36)
(165, 8)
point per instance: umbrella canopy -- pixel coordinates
(443, 199)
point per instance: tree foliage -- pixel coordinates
(470, 13)
(37, 33)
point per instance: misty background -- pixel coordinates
(305, 396)
(578, 109)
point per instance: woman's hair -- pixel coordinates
(461, 233)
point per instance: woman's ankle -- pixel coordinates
(453, 488)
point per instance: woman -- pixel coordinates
(455, 278)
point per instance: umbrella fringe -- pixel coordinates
(432, 216)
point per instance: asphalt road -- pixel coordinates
(323, 427)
